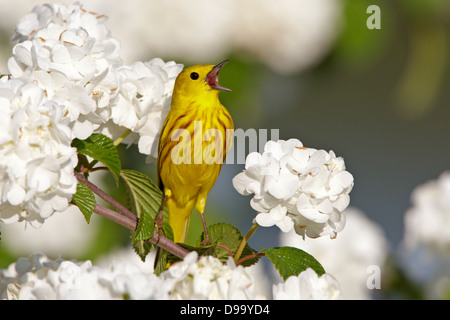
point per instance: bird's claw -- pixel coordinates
(205, 242)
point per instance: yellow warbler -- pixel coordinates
(193, 145)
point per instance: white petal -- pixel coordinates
(297, 161)
(16, 195)
(15, 68)
(317, 160)
(61, 55)
(123, 113)
(71, 38)
(342, 202)
(282, 186)
(315, 184)
(43, 174)
(278, 212)
(344, 179)
(254, 187)
(324, 206)
(265, 219)
(252, 159)
(148, 145)
(256, 172)
(286, 224)
(83, 129)
(257, 205)
(33, 93)
(22, 53)
(289, 145)
(311, 214)
(241, 182)
(86, 66)
(268, 202)
(308, 209)
(274, 149)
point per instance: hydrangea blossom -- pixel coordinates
(38, 277)
(70, 53)
(143, 100)
(288, 36)
(427, 222)
(296, 187)
(36, 159)
(307, 286)
(208, 278)
(362, 244)
(72, 83)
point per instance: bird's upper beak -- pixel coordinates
(213, 77)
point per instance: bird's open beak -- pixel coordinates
(213, 77)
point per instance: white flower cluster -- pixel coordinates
(296, 187)
(286, 35)
(427, 222)
(347, 258)
(36, 159)
(307, 286)
(39, 278)
(70, 53)
(208, 278)
(67, 81)
(143, 100)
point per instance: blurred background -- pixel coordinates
(314, 70)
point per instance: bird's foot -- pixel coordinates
(205, 242)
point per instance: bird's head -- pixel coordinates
(199, 81)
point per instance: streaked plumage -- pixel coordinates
(195, 105)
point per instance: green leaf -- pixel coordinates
(291, 261)
(142, 248)
(145, 194)
(145, 228)
(85, 200)
(102, 149)
(225, 234)
(146, 199)
(161, 257)
(143, 232)
(229, 236)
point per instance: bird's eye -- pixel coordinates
(194, 75)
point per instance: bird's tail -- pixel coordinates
(179, 217)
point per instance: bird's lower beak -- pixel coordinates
(213, 77)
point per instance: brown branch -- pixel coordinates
(250, 256)
(219, 245)
(156, 239)
(121, 208)
(168, 245)
(127, 219)
(116, 217)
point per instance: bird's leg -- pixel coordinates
(200, 207)
(205, 241)
(160, 217)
